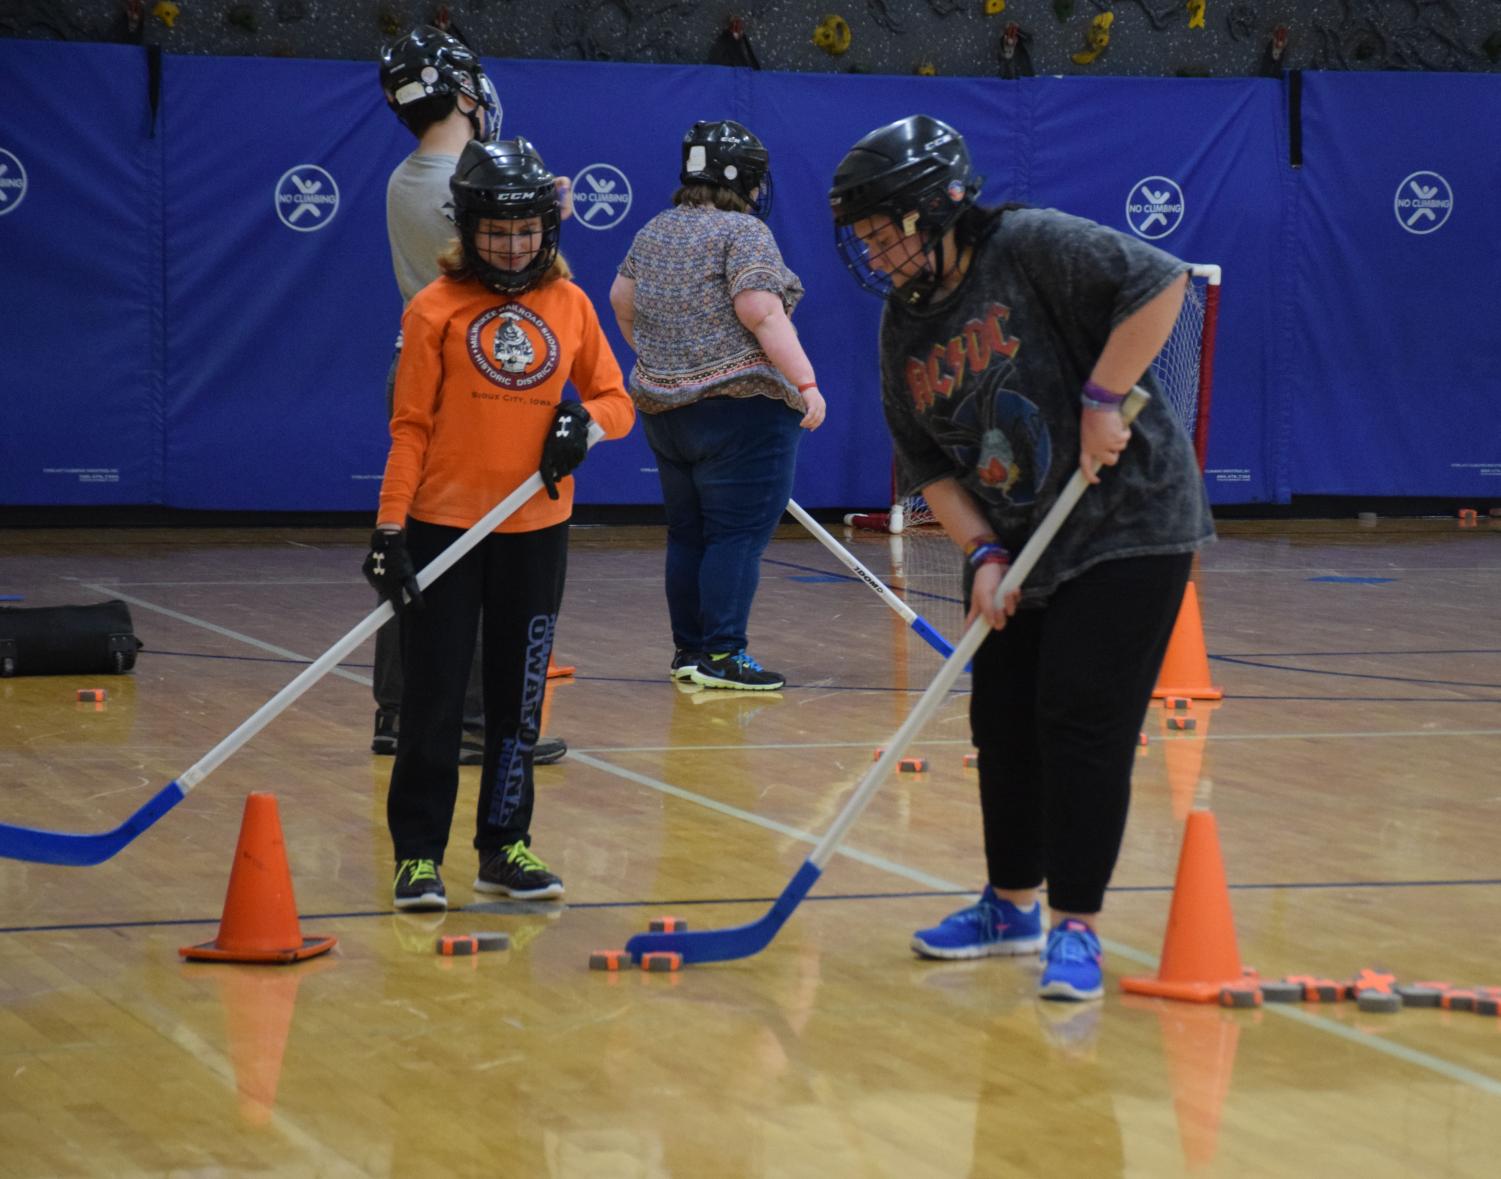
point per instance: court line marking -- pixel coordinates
(223, 631)
(1435, 1064)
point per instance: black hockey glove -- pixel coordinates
(388, 569)
(566, 444)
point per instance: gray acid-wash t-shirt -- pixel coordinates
(419, 219)
(984, 387)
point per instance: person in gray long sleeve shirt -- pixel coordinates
(1009, 340)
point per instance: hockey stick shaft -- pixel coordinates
(745, 940)
(60, 847)
(848, 559)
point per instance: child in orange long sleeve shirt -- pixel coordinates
(487, 350)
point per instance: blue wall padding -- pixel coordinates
(170, 340)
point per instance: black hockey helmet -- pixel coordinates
(423, 74)
(728, 155)
(505, 180)
(916, 171)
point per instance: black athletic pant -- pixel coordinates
(1060, 694)
(386, 683)
(517, 578)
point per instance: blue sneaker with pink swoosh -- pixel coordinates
(989, 926)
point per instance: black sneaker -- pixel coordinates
(384, 741)
(548, 750)
(418, 886)
(515, 872)
(683, 663)
(735, 670)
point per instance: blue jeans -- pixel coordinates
(726, 465)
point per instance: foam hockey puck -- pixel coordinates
(1382, 1001)
(1240, 996)
(1416, 995)
(609, 960)
(912, 765)
(1182, 724)
(456, 945)
(488, 943)
(1282, 992)
(667, 925)
(971, 761)
(92, 695)
(661, 961)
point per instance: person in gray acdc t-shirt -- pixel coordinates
(1009, 339)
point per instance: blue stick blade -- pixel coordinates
(739, 941)
(80, 851)
(935, 640)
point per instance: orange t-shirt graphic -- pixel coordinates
(479, 379)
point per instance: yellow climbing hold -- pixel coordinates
(832, 34)
(995, 7)
(1195, 14)
(1097, 38)
(166, 12)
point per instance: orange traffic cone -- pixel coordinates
(1185, 667)
(1199, 954)
(260, 915)
(554, 672)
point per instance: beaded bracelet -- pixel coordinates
(979, 539)
(989, 553)
(1096, 396)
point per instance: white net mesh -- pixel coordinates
(1182, 367)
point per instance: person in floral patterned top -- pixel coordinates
(724, 390)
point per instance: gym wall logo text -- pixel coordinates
(306, 198)
(601, 196)
(1423, 203)
(1154, 207)
(12, 182)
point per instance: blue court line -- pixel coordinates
(835, 576)
(1354, 580)
(1353, 654)
(602, 679)
(701, 902)
(1368, 699)
(1353, 675)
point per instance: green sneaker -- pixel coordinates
(418, 886)
(514, 871)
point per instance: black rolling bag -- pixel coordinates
(67, 640)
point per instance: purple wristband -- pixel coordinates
(1096, 396)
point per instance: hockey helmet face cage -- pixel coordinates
(916, 175)
(727, 155)
(505, 181)
(423, 74)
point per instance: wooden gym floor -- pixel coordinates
(1353, 767)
